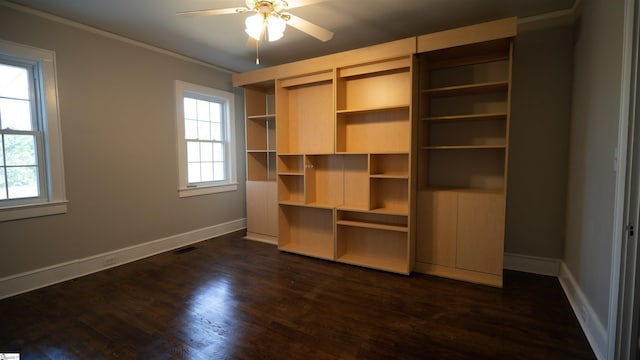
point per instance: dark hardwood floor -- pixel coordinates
(235, 299)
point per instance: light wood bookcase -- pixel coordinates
(261, 187)
(393, 156)
(344, 164)
(462, 155)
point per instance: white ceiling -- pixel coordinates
(220, 40)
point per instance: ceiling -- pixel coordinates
(220, 40)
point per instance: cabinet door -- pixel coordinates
(257, 210)
(271, 190)
(480, 245)
(436, 243)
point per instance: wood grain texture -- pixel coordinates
(236, 299)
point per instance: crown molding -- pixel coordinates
(551, 19)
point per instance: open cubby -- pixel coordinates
(389, 166)
(323, 180)
(375, 85)
(389, 195)
(258, 166)
(482, 72)
(466, 168)
(375, 131)
(305, 116)
(375, 248)
(490, 102)
(373, 220)
(466, 132)
(306, 231)
(291, 188)
(291, 164)
(356, 181)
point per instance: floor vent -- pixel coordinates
(184, 250)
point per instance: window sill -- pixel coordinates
(31, 211)
(204, 190)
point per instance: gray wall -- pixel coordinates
(117, 109)
(593, 140)
(538, 147)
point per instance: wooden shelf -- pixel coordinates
(374, 109)
(470, 117)
(321, 251)
(372, 225)
(400, 175)
(464, 190)
(464, 147)
(384, 264)
(469, 89)
(262, 117)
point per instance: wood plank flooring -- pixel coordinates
(231, 298)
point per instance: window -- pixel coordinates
(31, 173)
(206, 155)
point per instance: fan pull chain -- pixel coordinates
(257, 53)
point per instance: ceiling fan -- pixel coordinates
(270, 18)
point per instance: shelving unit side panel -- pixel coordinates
(437, 227)
(389, 89)
(356, 181)
(311, 119)
(481, 221)
(382, 132)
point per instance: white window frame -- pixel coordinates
(231, 183)
(55, 202)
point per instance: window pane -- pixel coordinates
(1, 152)
(218, 171)
(190, 129)
(216, 131)
(193, 172)
(207, 171)
(204, 130)
(3, 185)
(14, 82)
(206, 151)
(22, 181)
(20, 149)
(203, 110)
(190, 108)
(215, 112)
(193, 151)
(15, 114)
(218, 152)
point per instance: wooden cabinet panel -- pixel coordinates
(262, 208)
(480, 232)
(437, 227)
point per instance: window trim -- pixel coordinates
(185, 189)
(52, 135)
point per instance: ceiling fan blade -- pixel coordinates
(314, 30)
(292, 4)
(211, 12)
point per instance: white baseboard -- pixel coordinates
(31, 280)
(589, 321)
(532, 264)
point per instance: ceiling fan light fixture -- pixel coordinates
(255, 26)
(275, 27)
